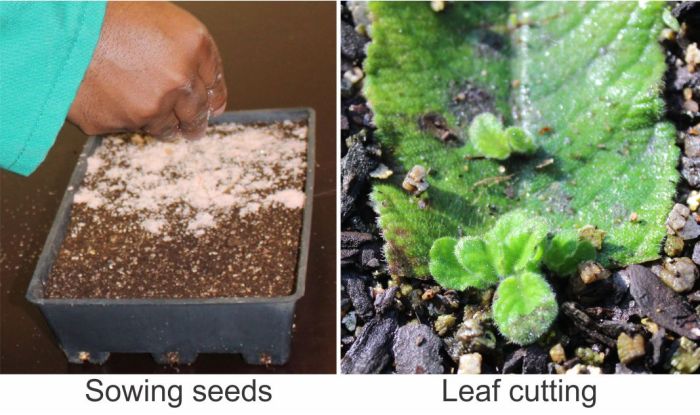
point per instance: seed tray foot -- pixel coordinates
(84, 356)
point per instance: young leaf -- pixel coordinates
(524, 307)
(594, 86)
(520, 141)
(515, 242)
(487, 137)
(565, 251)
(474, 257)
(513, 222)
(444, 266)
(523, 250)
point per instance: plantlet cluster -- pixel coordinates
(509, 256)
(491, 140)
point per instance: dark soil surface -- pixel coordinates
(117, 260)
(108, 254)
(631, 322)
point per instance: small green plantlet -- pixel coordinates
(565, 251)
(524, 307)
(490, 140)
(508, 254)
(486, 135)
(513, 245)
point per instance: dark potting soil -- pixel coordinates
(217, 217)
(405, 325)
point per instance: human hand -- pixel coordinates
(155, 69)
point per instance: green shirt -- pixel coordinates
(45, 49)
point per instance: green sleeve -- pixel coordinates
(45, 49)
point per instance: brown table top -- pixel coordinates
(275, 55)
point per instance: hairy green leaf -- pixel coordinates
(588, 78)
(524, 307)
(473, 256)
(444, 266)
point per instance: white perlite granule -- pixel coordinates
(234, 167)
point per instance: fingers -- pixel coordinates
(188, 113)
(217, 95)
(192, 110)
(165, 127)
(185, 110)
(212, 74)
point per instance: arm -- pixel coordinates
(126, 66)
(45, 49)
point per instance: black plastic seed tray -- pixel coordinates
(175, 330)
